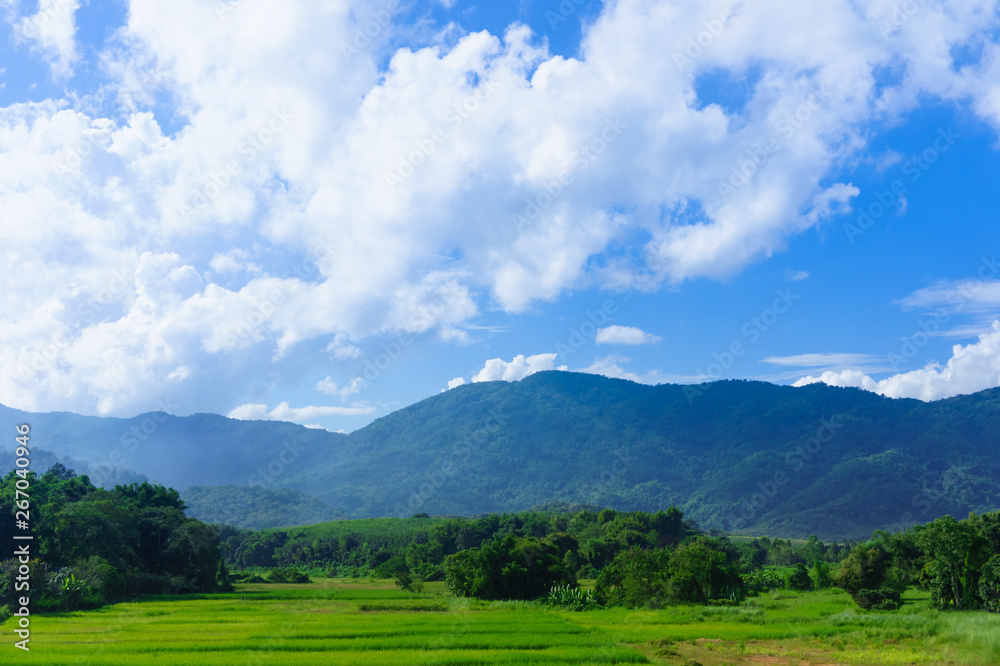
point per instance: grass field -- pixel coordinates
(372, 622)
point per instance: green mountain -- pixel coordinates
(740, 456)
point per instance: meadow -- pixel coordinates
(372, 622)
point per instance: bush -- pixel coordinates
(408, 582)
(102, 579)
(286, 575)
(799, 579)
(390, 567)
(821, 575)
(884, 598)
(762, 580)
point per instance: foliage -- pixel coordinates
(506, 568)
(570, 597)
(255, 507)
(762, 580)
(96, 546)
(407, 582)
(286, 575)
(696, 572)
(799, 578)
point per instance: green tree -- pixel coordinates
(956, 554)
(799, 579)
(636, 577)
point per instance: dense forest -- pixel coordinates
(93, 546)
(736, 456)
(255, 507)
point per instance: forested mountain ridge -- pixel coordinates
(733, 455)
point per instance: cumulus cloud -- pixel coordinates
(625, 335)
(475, 172)
(971, 368)
(283, 412)
(457, 381)
(519, 367)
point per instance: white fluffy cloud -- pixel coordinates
(288, 198)
(517, 368)
(625, 335)
(971, 368)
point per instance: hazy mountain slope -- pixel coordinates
(203, 449)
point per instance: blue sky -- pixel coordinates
(327, 212)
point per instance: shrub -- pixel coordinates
(884, 598)
(408, 582)
(286, 575)
(390, 567)
(762, 580)
(799, 579)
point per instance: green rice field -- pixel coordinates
(371, 622)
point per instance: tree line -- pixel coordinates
(96, 546)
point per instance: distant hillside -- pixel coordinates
(744, 456)
(41, 460)
(256, 508)
(203, 449)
